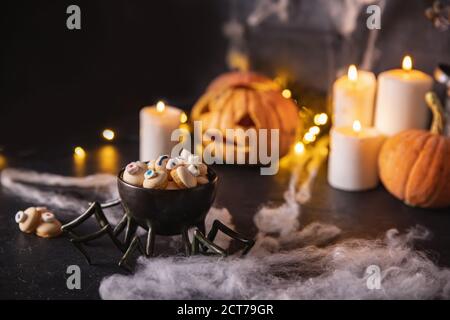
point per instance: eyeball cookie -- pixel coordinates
(183, 178)
(28, 220)
(172, 186)
(151, 165)
(50, 227)
(161, 162)
(134, 173)
(155, 179)
(202, 180)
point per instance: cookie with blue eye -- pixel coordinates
(28, 220)
(154, 179)
(134, 173)
(161, 162)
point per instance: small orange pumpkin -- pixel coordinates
(415, 164)
(244, 100)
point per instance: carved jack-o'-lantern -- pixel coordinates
(246, 100)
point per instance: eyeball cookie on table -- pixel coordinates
(49, 227)
(38, 220)
(28, 220)
(134, 173)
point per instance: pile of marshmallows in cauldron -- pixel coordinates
(185, 171)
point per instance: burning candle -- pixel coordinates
(353, 162)
(156, 126)
(353, 97)
(401, 99)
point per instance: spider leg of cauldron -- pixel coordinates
(135, 244)
(217, 225)
(150, 246)
(95, 209)
(186, 242)
(200, 239)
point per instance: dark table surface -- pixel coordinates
(35, 268)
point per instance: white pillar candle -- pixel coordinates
(353, 161)
(401, 99)
(353, 97)
(156, 126)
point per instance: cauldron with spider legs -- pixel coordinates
(160, 212)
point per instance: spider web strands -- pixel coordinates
(69, 195)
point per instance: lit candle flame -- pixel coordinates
(160, 106)
(108, 134)
(356, 126)
(407, 63)
(299, 148)
(183, 117)
(79, 152)
(352, 73)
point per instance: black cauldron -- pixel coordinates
(160, 212)
(169, 212)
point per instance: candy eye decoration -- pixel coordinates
(194, 170)
(20, 217)
(160, 159)
(48, 217)
(132, 168)
(149, 174)
(172, 163)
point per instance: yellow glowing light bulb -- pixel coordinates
(320, 119)
(160, 106)
(309, 137)
(3, 161)
(79, 152)
(356, 126)
(183, 117)
(108, 134)
(314, 130)
(286, 93)
(407, 63)
(299, 148)
(352, 73)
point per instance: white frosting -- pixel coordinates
(193, 169)
(20, 216)
(48, 217)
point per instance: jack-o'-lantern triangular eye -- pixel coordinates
(205, 109)
(246, 121)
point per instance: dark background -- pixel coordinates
(61, 86)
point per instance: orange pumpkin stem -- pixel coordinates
(433, 102)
